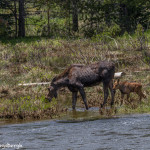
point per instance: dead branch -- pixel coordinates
(118, 75)
(29, 84)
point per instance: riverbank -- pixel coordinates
(36, 60)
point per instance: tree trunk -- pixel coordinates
(124, 18)
(48, 17)
(15, 14)
(21, 32)
(75, 15)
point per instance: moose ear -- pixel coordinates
(118, 80)
(49, 89)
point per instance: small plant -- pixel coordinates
(142, 40)
(107, 32)
(27, 107)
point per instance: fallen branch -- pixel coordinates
(119, 75)
(28, 84)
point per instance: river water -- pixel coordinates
(80, 131)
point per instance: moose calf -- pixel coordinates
(128, 87)
(78, 76)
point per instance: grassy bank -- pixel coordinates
(37, 59)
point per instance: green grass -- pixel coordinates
(14, 41)
(27, 107)
(39, 59)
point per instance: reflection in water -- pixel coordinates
(80, 115)
(79, 133)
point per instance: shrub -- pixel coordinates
(3, 27)
(107, 32)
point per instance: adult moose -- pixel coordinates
(78, 76)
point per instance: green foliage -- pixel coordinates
(107, 32)
(92, 16)
(6, 22)
(24, 107)
(3, 28)
(57, 28)
(139, 30)
(39, 75)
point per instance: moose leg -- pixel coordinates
(74, 100)
(74, 96)
(128, 95)
(140, 100)
(83, 95)
(80, 88)
(105, 87)
(140, 94)
(112, 92)
(122, 97)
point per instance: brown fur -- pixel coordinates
(66, 71)
(126, 87)
(78, 76)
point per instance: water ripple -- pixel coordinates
(124, 133)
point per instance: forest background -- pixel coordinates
(63, 18)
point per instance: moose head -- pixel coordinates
(116, 84)
(52, 92)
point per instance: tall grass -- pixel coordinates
(39, 59)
